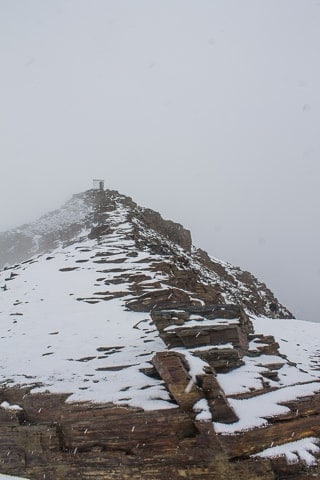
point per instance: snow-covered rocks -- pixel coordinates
(121, 341)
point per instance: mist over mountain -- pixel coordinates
(190, 109)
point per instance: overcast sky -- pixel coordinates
(205, 110)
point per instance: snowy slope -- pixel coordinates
(66, 326)
(92, 348)
(52, 229)
(65, 314)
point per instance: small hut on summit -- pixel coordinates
(98, 184)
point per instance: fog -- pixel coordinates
(205, 110)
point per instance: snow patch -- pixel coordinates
(301, 450)
(202, 409)
(8, 406)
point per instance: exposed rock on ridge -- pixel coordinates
(142, 357)
(188, 268)
(173, 231)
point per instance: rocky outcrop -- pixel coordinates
(183, 355)
(257, 295)
(171, 230)
(228, 324)
(51, 439)
(44, 436)
(193, 278)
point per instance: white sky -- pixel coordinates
(205, 110)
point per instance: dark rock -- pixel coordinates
(173, 231)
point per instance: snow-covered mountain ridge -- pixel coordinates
(94, 215)
(117, 322)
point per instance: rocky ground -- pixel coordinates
(126, 352)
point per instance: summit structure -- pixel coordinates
(127, 352)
